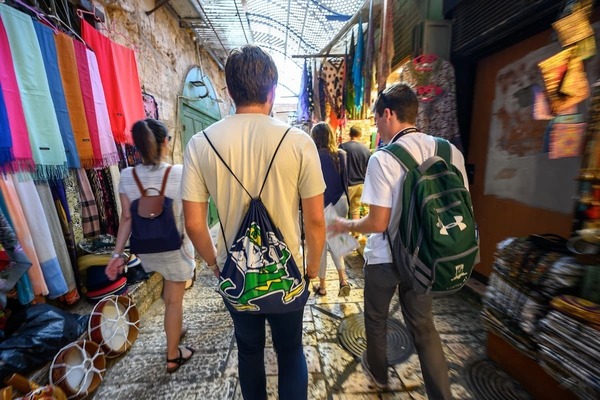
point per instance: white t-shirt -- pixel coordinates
(383, 186)
(247, 143)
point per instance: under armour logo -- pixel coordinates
(459, 272)
(457, 222)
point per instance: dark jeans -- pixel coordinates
(381, 281)
(286, 331)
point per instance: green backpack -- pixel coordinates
(436, 246)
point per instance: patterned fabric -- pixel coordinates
(98, 197)
(89, 211)
(332, 71)
(305, 99)
(436, 89)
(71, 188)
(150, 105)
(108, 193)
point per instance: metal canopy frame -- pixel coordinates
(282, 27)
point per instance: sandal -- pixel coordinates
(180, 360)
(344, 290)
(319, 291)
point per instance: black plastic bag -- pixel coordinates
(35, 335)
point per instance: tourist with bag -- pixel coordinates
(334, 166)
(152, 221)
(395, 111)
(259, 172)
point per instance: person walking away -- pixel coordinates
(358, 157)
(395, 111)
(334, 168)
(176, 267)
(246, 143)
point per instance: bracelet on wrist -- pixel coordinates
(212, 267)
(119, 255)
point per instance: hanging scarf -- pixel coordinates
(85, 85)
(120, 79)
(5, 139)
(21, 149)
(15, 211)
(61, 205)
(92, 175)
(115, 176)
(16, 254)
(357, 67)
(107, 141)
(71, 189)
(42, 238)
(387, 44)
(67, 64)
(45, 37)
(150, 105)
(56, 231)
(305, 96)
(42, 125)
(316, 92)
(349, 96)
(89, 211)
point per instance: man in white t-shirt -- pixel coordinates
(395, 113)
(247, 142)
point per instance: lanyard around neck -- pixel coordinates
(403, 132)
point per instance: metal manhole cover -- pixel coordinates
(351, 333)
(489, 382)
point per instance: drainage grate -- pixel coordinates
(490, 383)
(351, 333)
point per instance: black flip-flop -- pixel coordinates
(180, 360)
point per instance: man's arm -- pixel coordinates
(376, 221)
(196, 227)
(314, 225)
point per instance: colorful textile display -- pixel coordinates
(89, 211)
(5, 139)
(45, 37)
(15, 253)
(21, 149)
(566, 138)
(67, 64)
(305, 98)
(42, 238)
(38, 108)
(349, 95)
(357, 67)
(332, 71)
(432, 78)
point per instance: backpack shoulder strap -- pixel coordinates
(402, 155)
(273, 159)
(164, 182)
(442, 149)
(225, 164)
(138, 182)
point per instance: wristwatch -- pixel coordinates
(124, 257)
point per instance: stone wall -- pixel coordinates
(164, 52)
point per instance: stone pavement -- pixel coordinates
(334, 373)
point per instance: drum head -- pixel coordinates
(114, 324)
(78, 369)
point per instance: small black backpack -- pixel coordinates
(153, 227)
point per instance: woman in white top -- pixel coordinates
(152, 140)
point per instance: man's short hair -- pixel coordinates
(355, 132)
(250, 74)
(401, 100)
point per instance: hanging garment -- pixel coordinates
(386, 54)
(15, 211)
(73, 200)
(56, 234)
(89, 211)
(45, 37)
(115, 177)
(21, 149)
(107, 141)
(333, 75)
(42, 238)
(357, 67)
(59, 198)
(318, 99)
(120, 79)
(5, 139)
(85, 85)
(110, 196)
(15, 252)
(434, 83)
(150, 105)
(42, 126)
(349, 95)
(305, 99)
(98, 198)
(67, 64)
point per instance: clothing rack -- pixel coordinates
(318, 55)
